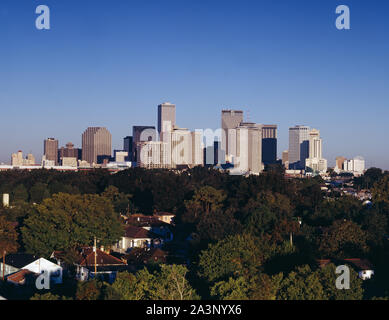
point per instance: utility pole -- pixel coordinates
(95, 250)
(3, 263)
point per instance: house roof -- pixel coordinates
(361, 264)
(146, 221)
(142, 256)
(19, 260)
(20, 276)
(86, 258)
(164, 214)
(139, 233)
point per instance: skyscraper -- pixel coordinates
(128, 147)
(166, 118)
(96, 145)
(230, 120)
(315, 161)
(339, 162)
(69, 151)
(50, 151)
(298, 147)
(249, 148)
(181, 147)
(197, 151)
(269, 144)
(153, 155)
(141, 134)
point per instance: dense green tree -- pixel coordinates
(171, 284)
(19, 193)
(39, 192)
(8, 236)
(380, 190)
(234, 256)
(88, 290)
(302, 284)
(262, 213)
(327, 277)
(168, 283)
(344, 239)
(134, 287)
(232, 289)
(120, 201)
(66, 221)
(205, 201)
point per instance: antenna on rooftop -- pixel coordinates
(248, 115)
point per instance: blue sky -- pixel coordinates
(110, 63)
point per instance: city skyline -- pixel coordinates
(302, 70)
(238, 142)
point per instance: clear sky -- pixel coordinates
(110, 63)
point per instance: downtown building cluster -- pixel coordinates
(240, 146)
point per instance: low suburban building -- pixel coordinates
(87, 261)
(137, 237)
(20, 266)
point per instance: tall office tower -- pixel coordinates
(285, 159)
(230, 120)
(142, 134)
(315, 161)
(181, 147)
(269, 144)
(197, 150)
(69, 151)
(339, 162)
(50, 151)
(315, 144)
(298, 147)
(127, 146)
(249, 148)
(96, 145)
(166, 119)
(152, 155)
(216, 152)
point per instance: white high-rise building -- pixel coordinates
(315, 162)
(153, 155)
(230, 120)
(197, 150)
(248, 148)
(18, 160)
(298, 147)
(355, 166)
(181, 147)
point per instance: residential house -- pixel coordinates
(137, 237)
(88, 260)
(362, 266)
(153, 224)
(19, 267)
(165, 217)
(139, 257)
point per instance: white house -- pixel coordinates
(137, 237)
(42, 265)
